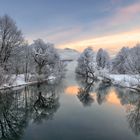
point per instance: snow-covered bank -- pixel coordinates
(126, 81)
(65, 54)
(19, 81)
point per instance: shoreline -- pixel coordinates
(25, 84)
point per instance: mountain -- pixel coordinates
(68, 54)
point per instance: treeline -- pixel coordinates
(126, 61)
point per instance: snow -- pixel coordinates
(69, 54)
(65, 54)
(124, 80)
(118, 79)
(15, 81)
(20, 80)
(51, 79)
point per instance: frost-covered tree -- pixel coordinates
(132, 63)
(133, 60)
(15, 63)
(10, 37)
(118, 63)
(86, 63)
(20, 60)
(46, 59)
(102, 59)
(41, 54)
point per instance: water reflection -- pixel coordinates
(45, 105)
(13, 116)
(32, 104)
(133, 118)
(129, 99)
(101, 93)
(39, 103)
(88, 88)
(85, 96)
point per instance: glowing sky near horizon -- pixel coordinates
(76, 24)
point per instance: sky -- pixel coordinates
(77, 24)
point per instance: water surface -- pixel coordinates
(71, 110)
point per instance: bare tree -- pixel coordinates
(10, 37)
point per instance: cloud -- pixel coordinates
(57, 35)
(125, 14)
(113, 30)
(112, 42)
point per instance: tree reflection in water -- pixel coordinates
(18, 108)
(133, 118)
(86, 86)
(45, 106)
(89, 86)
(131, 100)
(13, 117)
(84, 95)
(101, 93)
(35, 104)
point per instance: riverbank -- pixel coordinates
(19, 81)
(121, 80)
(125, 81)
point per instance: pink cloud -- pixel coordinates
(110, 42)
(62, 34)
(126, 14)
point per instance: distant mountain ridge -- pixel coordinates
(68, 54)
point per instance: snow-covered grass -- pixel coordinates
(17, 81)
(65, 54)
(124, 80)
